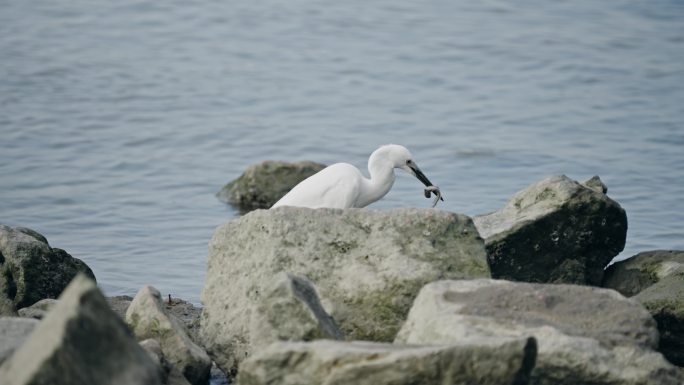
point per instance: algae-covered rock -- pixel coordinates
(556, 230)
(31, 270)
(586, 335)
(263, 184)
(665, 301)
(636, 273)
(367, 266)
(148, 318)
(366, 363)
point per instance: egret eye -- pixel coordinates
(408, 162)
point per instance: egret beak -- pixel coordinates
(421, 177)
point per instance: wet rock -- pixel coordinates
(290, 311)
(31, 270)
(586, 335)
(39, 309)
(367, 266)
(635, 274)
(367, 363)
(147, 318)
(14, 331)
(80, 341)
(665, 301)
(263, 184)
(555, 231)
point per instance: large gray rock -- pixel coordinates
(367, 363)
(656, 279)
(367, 266)
(80, 341)
(172, 376)
(290, 311)
(635, 274)
(263, 184)
(14, 331)
(147, 318)
(586, 335)
(665, 301)
(556, 231)
(31, 270)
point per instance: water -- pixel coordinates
(120, 120)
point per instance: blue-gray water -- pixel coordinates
(120, 120)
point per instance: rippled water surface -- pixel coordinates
(120, 120)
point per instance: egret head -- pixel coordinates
(400, 157)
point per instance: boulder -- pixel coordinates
(665, 301)
(367, 266)
(172, 376)
(290, 310)
(656, 279)
(367, 363)
(39, 309)
(147, 318)
(31, 270)
(586, 335)
(555, 231)
(263, 184)
(14, 331)
(80, 341)
(636, 273)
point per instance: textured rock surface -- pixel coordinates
(39, 309)
(586, 335)
(656, 279)
(290, 311)
(14, 331)
(366, 363)
(31, 270)
(634, 274)
(171, 375)
(555, 230)
(80, 341)
(147, 318)
(367, 266)
(665, 301)
(262, 184)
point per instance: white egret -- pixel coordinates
(342, 185)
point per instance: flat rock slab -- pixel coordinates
(80, 341)
(366, 363)
(556, 230)
(263, 184)
(367, 266)
(586, 335)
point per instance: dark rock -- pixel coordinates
(656, 279)
(635, 274)
(263, 184)
(31, 270)
(665, 301)
(80, 341)
(555, 231)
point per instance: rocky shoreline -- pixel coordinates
(403, 296)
